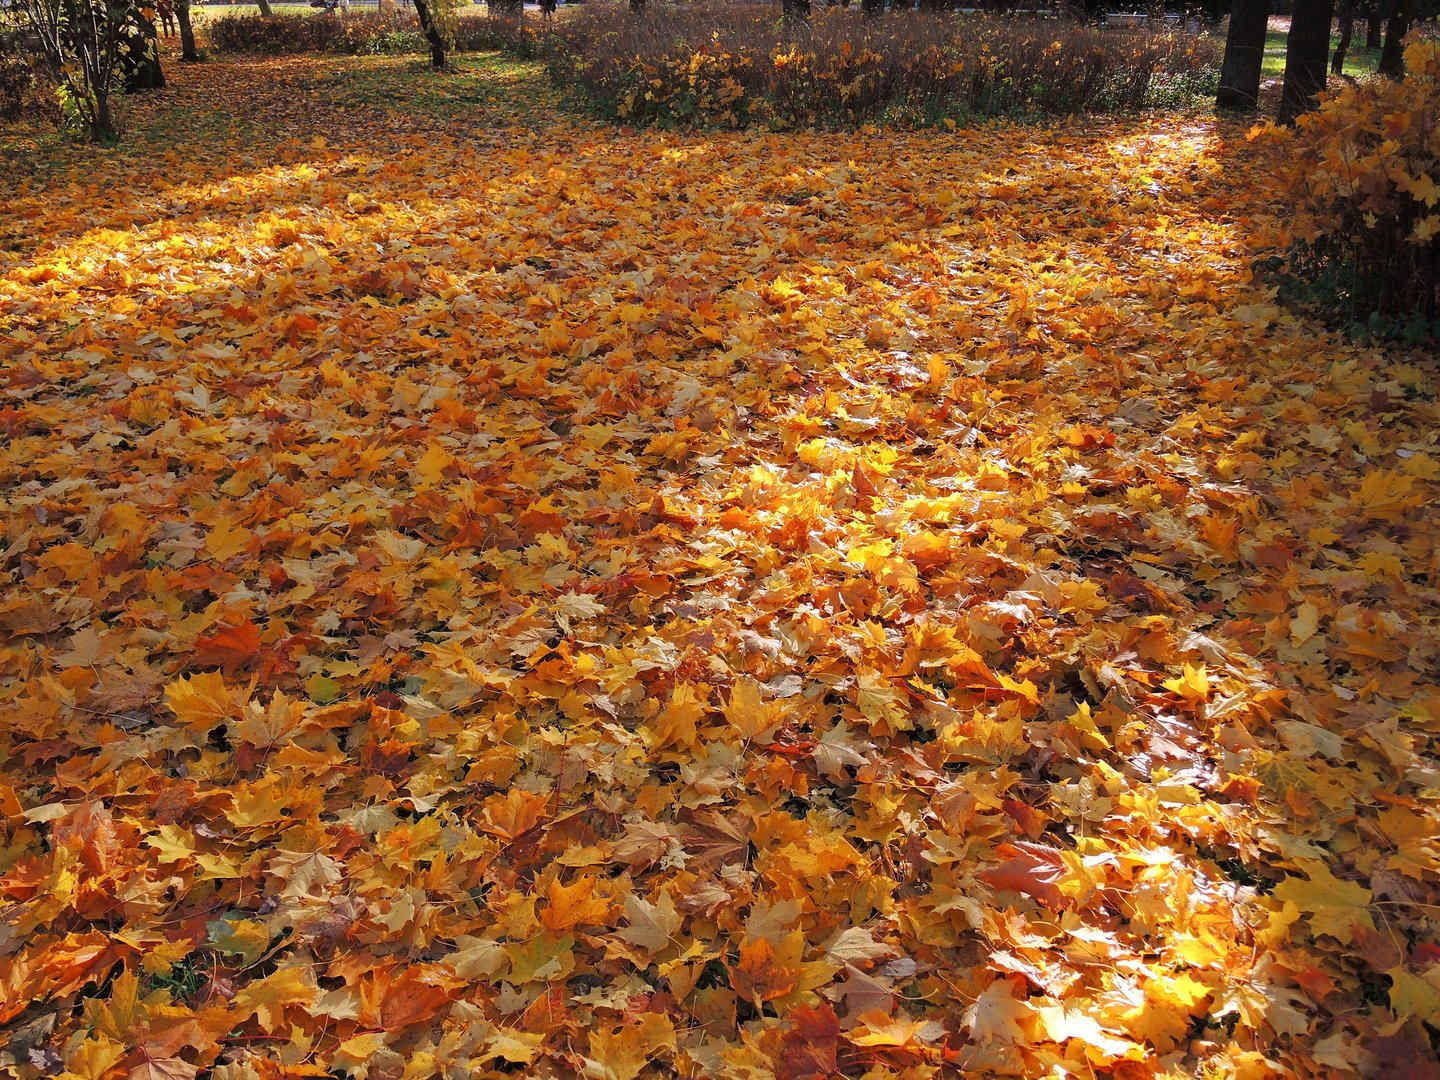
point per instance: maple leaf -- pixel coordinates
(763, 972)
(1051, 876)
(163, 1069)
(810, 1045)
(1335, 907)
(574, 905)
(230, 647)
(749, 713)
(998, 1013)
(652, 926)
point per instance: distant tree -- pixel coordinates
(1307, 56)
(1347, 31)
(1397, 25)
(1374, 24)
(437, 23)
(188, 52)
(1244, 55)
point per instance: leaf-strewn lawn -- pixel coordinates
(482, 592)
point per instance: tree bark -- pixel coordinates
(432, 34)
(1244, 55)
(264, 6)
(1347, 31)
(188, 51)
(1392, 58)
(140, 66)
(1307, 52)
(1374, 22)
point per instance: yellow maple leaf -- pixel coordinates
(1193, 685)
(1335, 907)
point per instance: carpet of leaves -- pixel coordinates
(487, 593)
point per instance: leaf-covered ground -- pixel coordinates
(484, 593)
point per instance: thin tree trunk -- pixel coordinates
(1374, 22)
(188, 52)
(1307, 52)
(265, 8)
(1347, 31)
(1392, 58)
(432, 34)
(1244, 55)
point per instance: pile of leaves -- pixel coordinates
(1364, 172)
(522, 597)
(732, 65)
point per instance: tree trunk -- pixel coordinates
(1392, 59)
(188, 52)
(1307, 52)
(1244, 54)
(265, 8)
(432, 34)
(1347, 31)
(1374, 21)
(140, 66)
(872, 9)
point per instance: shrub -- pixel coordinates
(487, 33)
(732, 64)
(27, 88)
(354, 35)
(1363, 172)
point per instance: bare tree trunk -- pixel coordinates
(1347, 31)
(140, 66)
(1307, 52)
(265, 8)
(432, 34)
(1374, 22)
(1244, 55)
(188, 52)
(1392, 58)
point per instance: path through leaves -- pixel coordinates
(489, 593)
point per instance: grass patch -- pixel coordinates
(502, 86)
(1358, 59)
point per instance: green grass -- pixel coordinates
(500, 88)
(1358, 60)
